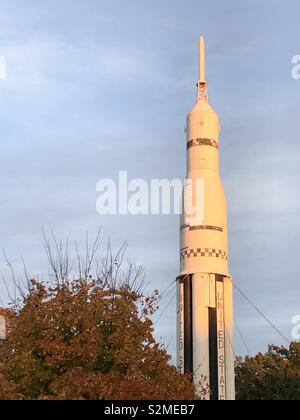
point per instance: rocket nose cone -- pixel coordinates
(203, 122)
(203, 106)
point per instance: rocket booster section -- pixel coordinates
(203, 164)
(205, 308)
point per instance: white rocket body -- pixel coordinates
(205, 295)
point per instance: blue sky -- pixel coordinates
(95, 87)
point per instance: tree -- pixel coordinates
(274, 375)
(90, 338)
(8, 390)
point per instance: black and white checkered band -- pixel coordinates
(203, 142)
(202, 252)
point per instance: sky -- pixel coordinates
(94, 87)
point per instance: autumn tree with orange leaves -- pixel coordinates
(88, 339)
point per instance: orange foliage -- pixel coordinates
(8, 390)
(84, 340)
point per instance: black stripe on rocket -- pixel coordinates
(187, 282)
(188, 325)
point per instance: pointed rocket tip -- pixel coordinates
(202, 59)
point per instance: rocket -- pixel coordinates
(204, 286)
